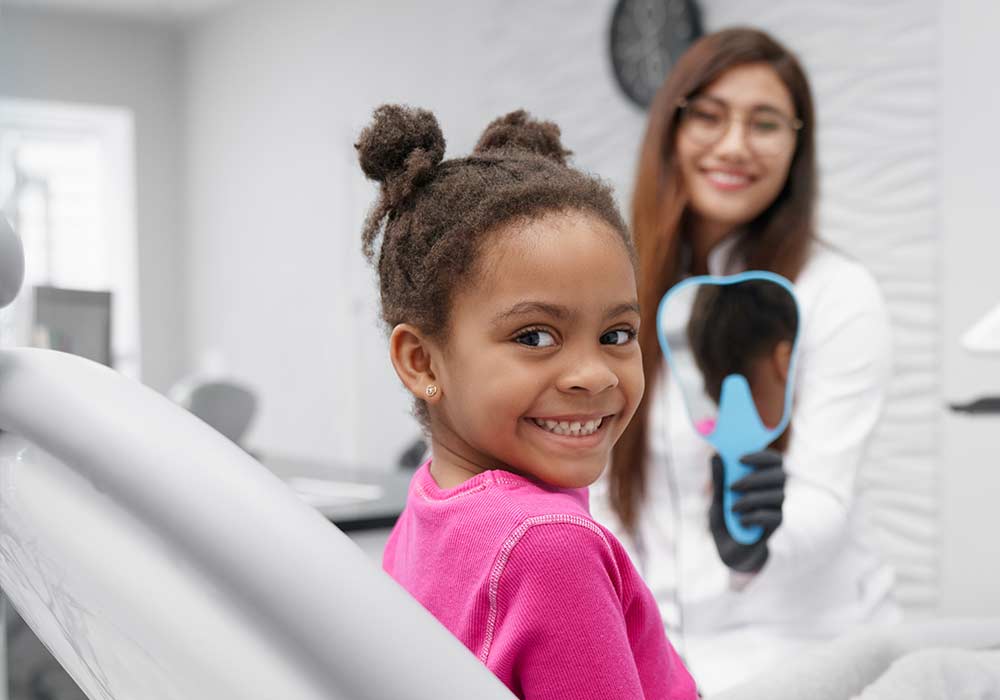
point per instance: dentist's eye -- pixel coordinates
(764, 125)
(620, 336)
(536, 339)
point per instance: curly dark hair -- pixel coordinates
(435, 217)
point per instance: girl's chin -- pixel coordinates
(575, 476)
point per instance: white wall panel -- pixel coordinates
(874, 69)
(970, 144)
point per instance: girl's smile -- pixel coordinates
(579, 433)
(577, 426)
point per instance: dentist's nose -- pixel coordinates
(733, 144)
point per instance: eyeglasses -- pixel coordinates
(767, 132)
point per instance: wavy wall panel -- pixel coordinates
(874, 69)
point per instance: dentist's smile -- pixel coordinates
(728, 180)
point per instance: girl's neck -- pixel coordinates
(704, 235)
(449, 468)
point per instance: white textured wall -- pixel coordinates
(68, 57)
(970, 242)
(874, 69)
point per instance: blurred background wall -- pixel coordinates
(55, 55)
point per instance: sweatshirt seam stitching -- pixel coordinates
(427, 497)
(504, 557)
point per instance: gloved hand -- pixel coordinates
(759, 496)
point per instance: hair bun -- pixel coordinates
(518, 130)
(400, 143)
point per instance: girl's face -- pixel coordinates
(541, 371)
(732, 180)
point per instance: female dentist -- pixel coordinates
(727, 182)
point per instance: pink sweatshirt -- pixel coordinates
(542, 594)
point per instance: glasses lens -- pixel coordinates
(705, 121)
(769, 134)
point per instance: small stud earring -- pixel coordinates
(431, 391)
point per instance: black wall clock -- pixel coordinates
(646, 39)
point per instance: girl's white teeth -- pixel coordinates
(575, 428)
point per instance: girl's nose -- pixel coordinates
(587, 374)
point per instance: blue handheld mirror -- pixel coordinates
(731, 344)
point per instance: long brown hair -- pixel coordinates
(779, 239)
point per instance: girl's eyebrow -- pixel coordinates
(528, 307)
(623, 308)
(556, 311)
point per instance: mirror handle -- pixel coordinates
(738, 432)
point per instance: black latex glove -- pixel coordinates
(759, 496)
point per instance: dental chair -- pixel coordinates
(158, 561)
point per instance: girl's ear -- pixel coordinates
(782, 358)
(411, 353)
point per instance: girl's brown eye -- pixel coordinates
(536, 339)
(620, 336)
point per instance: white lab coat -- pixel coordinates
(820, 577)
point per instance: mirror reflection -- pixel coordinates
(715, 328)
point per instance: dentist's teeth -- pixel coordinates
(574, 428)
(728, 178)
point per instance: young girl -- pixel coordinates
(508, 281)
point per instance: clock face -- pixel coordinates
(647, 38)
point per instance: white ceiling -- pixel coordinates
(167, 10)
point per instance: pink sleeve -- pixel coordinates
(557, 627)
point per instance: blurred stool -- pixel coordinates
(227, 406)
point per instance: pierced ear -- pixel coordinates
(411, 353)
